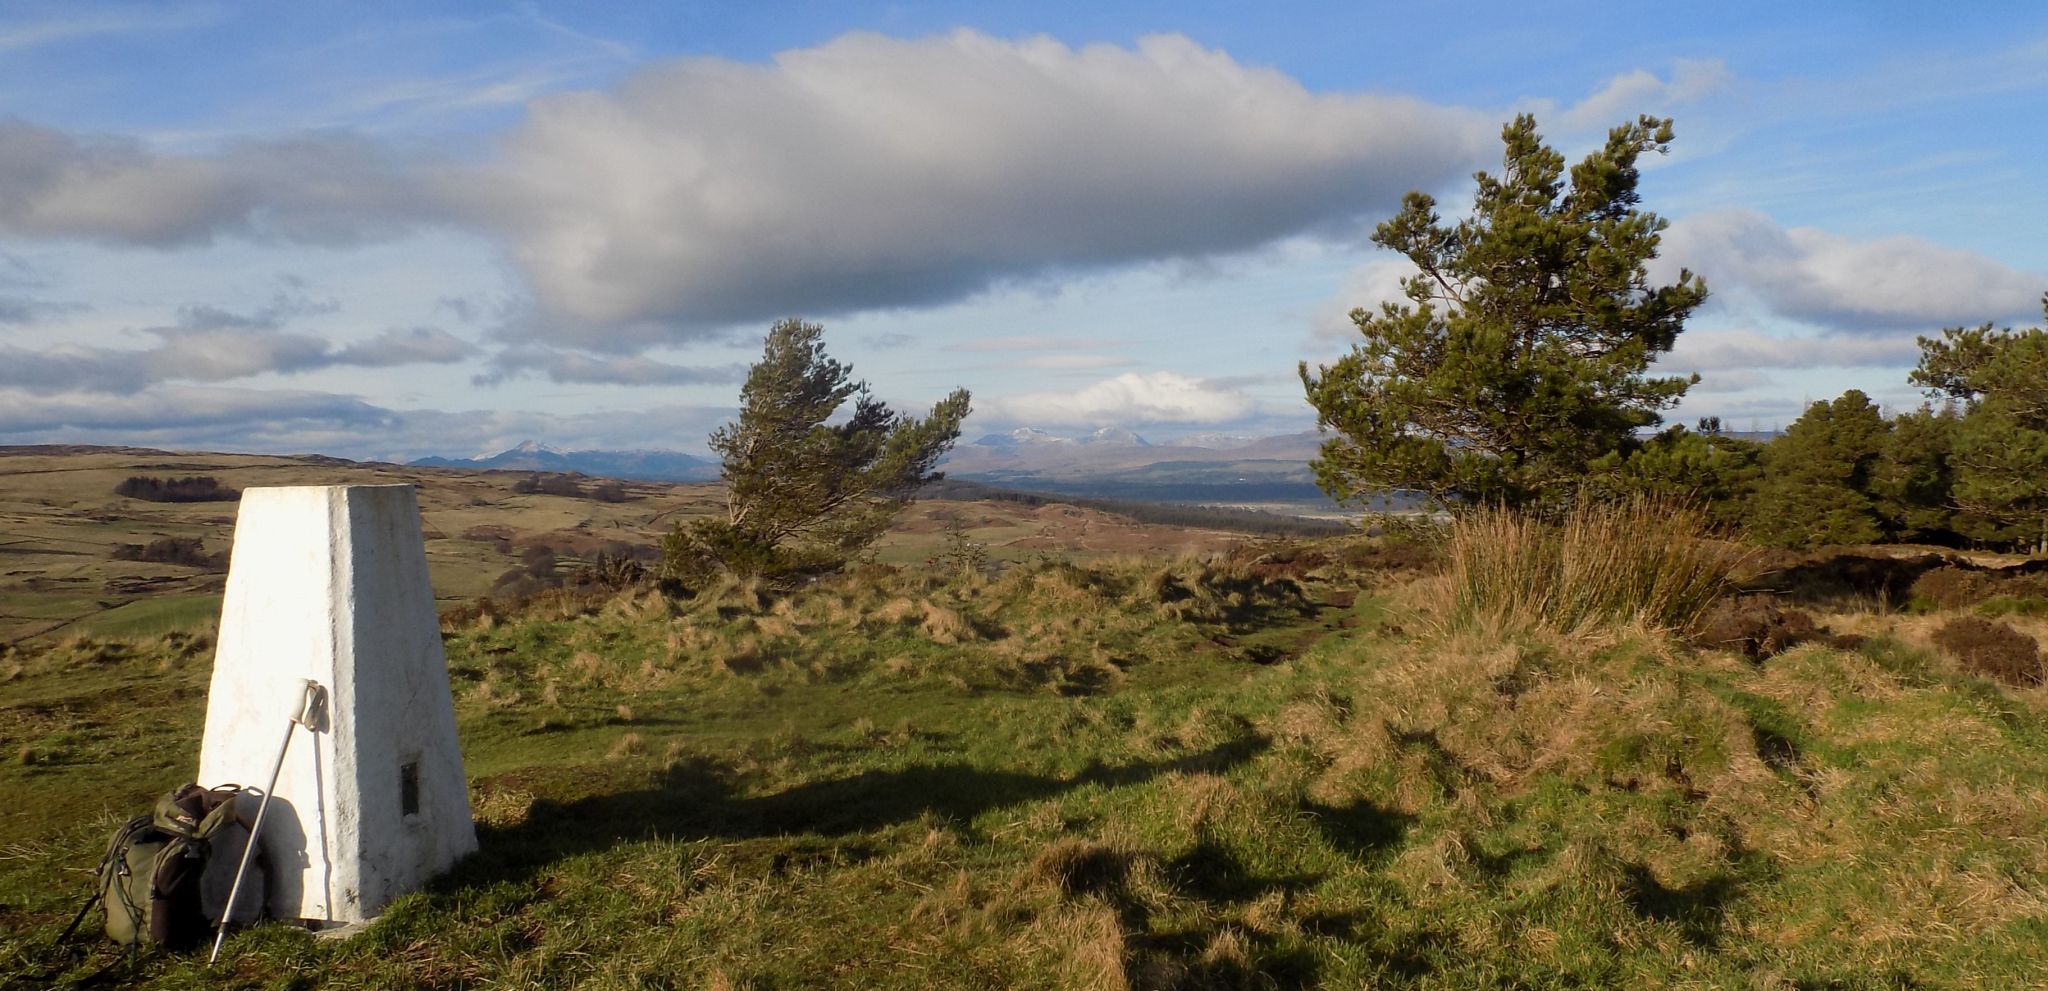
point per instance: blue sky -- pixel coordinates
(393, 230)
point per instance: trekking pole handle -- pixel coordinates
(312, 703)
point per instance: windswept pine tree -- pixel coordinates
(805, 494)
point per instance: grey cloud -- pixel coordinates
(225, 419)
(1028, 342)
(214, 353)
(1843, 283)
(873, 172)
(24, 310)
(462, 309)
(1069, 362)
(318, 189)
(405, 346)
(571, 366)
(66, 368)
(888, 341)
(175, 410)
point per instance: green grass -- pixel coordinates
(1101, 777)
(152, 617)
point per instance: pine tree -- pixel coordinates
(2000, 456)
(1912, 483)
(1703, 467)
(805, 494)
(1520, 358)
(1817, 477)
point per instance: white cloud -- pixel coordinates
(1130, 398)
(1845, 283)
(1366, 287)
(1627, 96)
(93, 24)
(1732, 350)
(873, 172)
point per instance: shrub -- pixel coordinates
(1949, 588)
(1642, 560)
(196, 488)
(189, 552)
(1992, 649)
(1756, 627)
(559, 485)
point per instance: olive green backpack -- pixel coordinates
(149, 877)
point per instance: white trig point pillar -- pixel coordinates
(329, 584)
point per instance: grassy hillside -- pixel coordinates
(1282, 771)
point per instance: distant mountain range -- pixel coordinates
(1116, 463)
(1038, 452)
(639, 466)
(1112, 462)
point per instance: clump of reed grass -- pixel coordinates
(1642, 561)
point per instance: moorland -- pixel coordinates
(64, 524)
(1166, 760)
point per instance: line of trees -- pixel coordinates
(194, 488)
(1517, 374)
(570, 486)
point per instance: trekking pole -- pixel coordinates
(307, 714)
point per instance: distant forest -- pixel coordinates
(196, 488)
(570, 486)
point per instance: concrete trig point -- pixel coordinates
(329, 583)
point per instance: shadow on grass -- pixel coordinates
(1696, 909)
(1362, 829)
(696, 799)
(1849, 580)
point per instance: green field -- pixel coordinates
(1275, 770)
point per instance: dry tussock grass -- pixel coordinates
(946, 626)
(1644, 561)
(1089, 941)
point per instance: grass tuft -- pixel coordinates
(1645, 562)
